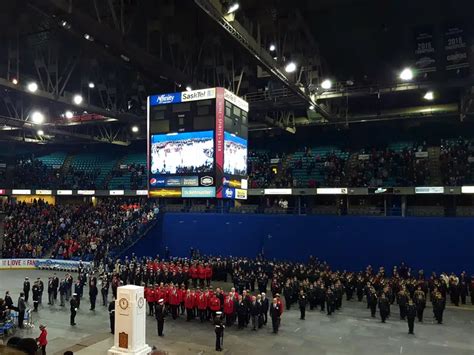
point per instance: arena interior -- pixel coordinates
(262, 177)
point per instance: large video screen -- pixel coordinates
(235, 155)
(182, 153)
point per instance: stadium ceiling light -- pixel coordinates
(89, 37)
(290, 67)
(233, 7)
(272, 47)
(188, 88)
(68, 114)
(135, 129)
(77, 99)
(91, 85)
(429, 96)
(311, 107)
(40, 132)
(32, 87)
(406, 74)
(326, 84)
(15, 81)
(275, 58)
(37, 117)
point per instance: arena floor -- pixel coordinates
(350, 331)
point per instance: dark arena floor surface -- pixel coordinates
(350, 331)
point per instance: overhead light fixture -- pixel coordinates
(275, 58)
(406, 74)
(124, 57)
(15, 81)
(311, 107)
(91, 85)
(290, 67)
(68, 114)
(77, 99)
(135, 129)
(233, 7)
(88, 37)
(37, 117)
(272, 47)
(429, 96)
(326, 84)
(40, 132)
(188, 88)
(32, 87)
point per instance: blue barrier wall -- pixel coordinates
(435, 244)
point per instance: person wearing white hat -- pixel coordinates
(160, 312)
(219, 330)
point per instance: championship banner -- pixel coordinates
(455, 47)
(425, 54)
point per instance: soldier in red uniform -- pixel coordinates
(208, 274)
(174, 302)
(150, 298)
(193, 273)
(201, 271)
(214, 305)
(189, 304)
(229, 310)
(181, 295)
(202, 306)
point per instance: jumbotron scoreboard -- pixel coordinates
(197, 144)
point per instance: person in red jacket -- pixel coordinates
(202, 306)
(42, 339)
(193, 273)
(229, 310)
(208, 274)
(214, 305)
(150, 298)
(189, 304)
(174, 302)
(201, 275)
(181, 295)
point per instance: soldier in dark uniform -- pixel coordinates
(439, 303)
(62, 292)
(402, 300)
(41, 289)
(21, 309)
(50, 291)
(74, 304)
(160, 313)
(242, 312)
(372, 301)
(26, 289)
(55, 286)
(330, 301)
(302, 303)
(93, 291)
(35, 290)
(411, 314)
(360, 288)
(384, 307)
(275, 314)
(219, 330)
(112, 316)
(420, 302)
(104, 290)
(265, 307)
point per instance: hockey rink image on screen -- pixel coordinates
(235, 155)
(182, 153)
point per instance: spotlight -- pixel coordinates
(64, 23)
(406, 74)
(233, 7)
(326, 84)
(37, 117)
(68, 114)
(311, 107)
(91, 85)
(290, 67)
(77, 99)
(40, 132)
(88, 37)
(32, 87)
(135, 129)
(272, 47)
(15, 81)
(188, 88)
(429, 96)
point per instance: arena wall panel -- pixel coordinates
(434, 244)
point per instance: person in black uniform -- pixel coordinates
(330, 301)
(21, 309)
(402, 300)
(112, 316)
(104, 290)
(41, 290)
(242, 312)
(302, 303)
(26, 289)
(219, 330)
(439, 303)
(74, 304)
(8, 300)
(372, 301)
(50, 291)
(254, 312)
(384, 307)
(93, 291)
(55, 286)
(265, 306)
(160, 313)
(411, 314)
(275, 313)
(35, 290)
(420, 302)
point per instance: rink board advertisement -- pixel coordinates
(197, 144)
(14, 264)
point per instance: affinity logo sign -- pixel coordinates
(165, 99)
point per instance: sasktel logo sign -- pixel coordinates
(198, 95)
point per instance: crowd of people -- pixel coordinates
(81, 231)
(457, 162)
